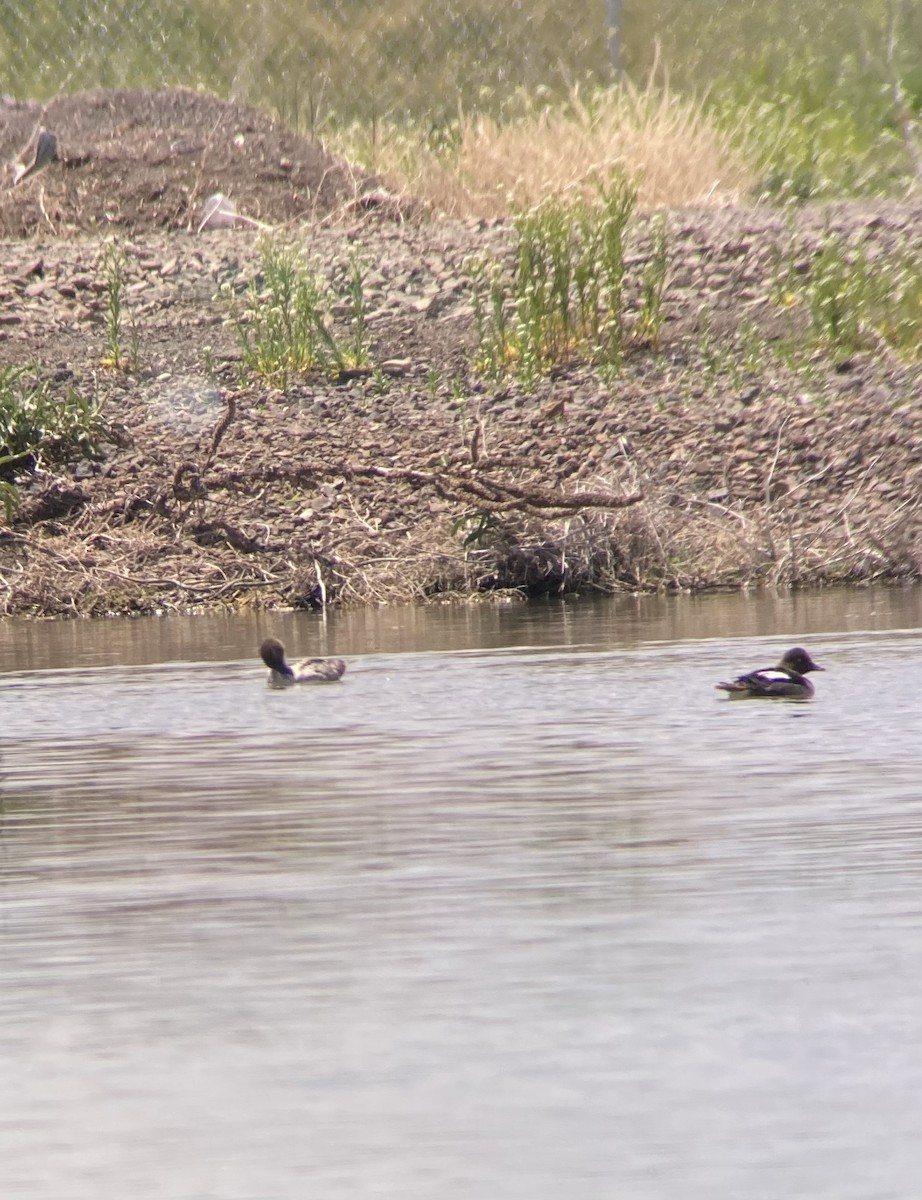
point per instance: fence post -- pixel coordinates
(613, 20)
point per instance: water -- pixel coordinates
(522, 909)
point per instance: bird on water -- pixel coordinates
(788, 679)
(283, 674)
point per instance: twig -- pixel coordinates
(43, 211)
(774, 463)
(321, 585)
(230, 400)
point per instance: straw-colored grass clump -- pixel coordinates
(665, 145)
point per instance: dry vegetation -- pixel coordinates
(665, 145)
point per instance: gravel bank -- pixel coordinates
(699, 465)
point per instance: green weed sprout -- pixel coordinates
(284, 326)
(35, 423)
(114, 264)
(653, 285)
(566, 295)
(857, 299)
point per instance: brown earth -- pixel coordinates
(137, 161)
(700, 464)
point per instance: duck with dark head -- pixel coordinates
(283, 674)
(788, 679)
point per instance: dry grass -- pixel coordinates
(664, 145)
(191, 548)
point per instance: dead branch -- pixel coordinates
(230, 400)
(487, 491)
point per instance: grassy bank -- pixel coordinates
(753, 422)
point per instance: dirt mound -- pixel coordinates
(139, 160)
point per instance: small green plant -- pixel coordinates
(653, 285)
(209, 365)
(284, 326)
(481, 528)
(753, 348)
(433, 382)
(381, 382)
(134, 347)
(114, 265)
(731, 359)
(566, 296)
(358, 353)
(490, 323)
(832, 294)
(36, 424)
(709, 352)
(734, 359)
(855, 298)
(461, 402)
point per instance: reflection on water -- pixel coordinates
(522, 908)
(624, 622)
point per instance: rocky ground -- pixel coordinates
(703, 463)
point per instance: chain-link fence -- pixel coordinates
(317, 62)
(307, 62)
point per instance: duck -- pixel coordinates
(788, 679)
(309, 670)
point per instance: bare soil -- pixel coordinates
(137, 161)
(696, 466)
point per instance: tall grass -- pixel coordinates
(283, 325)
(307, 62)
(815, 130)
(433, 95)
(483, 166)
(703, 44)
(565, 297)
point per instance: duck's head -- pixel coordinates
(272, 652)
(800, 661)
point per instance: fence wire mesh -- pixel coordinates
(306, 62)
(320, 63)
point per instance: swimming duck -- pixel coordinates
(308, 670)
(787, 679)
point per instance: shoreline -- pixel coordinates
(419, 480)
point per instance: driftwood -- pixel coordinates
(489, 493)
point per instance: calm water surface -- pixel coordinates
(522, 909)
